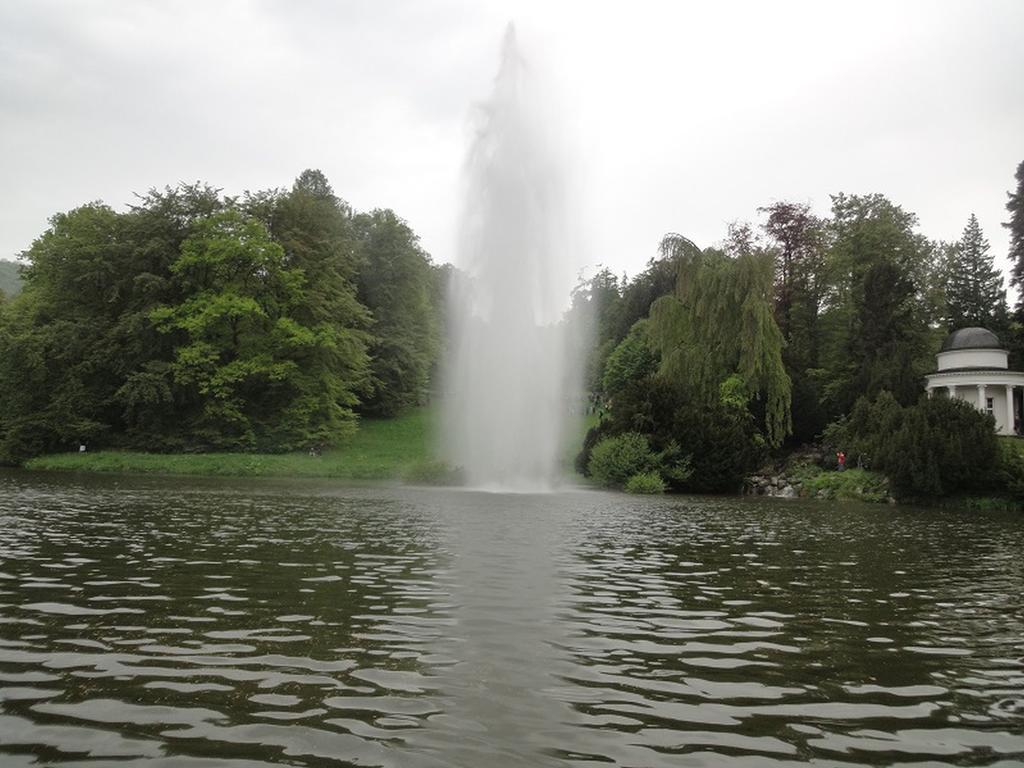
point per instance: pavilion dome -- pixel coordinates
(971, 338)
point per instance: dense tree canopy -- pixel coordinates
(782, 329)
(400, 284)
(876, 321)
(719, 322)
(194, 321)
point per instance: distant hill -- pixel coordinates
(10, 278)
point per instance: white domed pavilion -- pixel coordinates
(973, 366)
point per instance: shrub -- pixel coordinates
(673, 465)
(702, 446)
(1010, 470)
(943, 446)
(582, 461)
(938, 447)
(645, 482)
(615, 459)
(865, 437)
(25, 437)
(723, 443)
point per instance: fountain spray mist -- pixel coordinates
(509, 376)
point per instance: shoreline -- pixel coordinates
(401, 449)
(382, 449)
(825, 487)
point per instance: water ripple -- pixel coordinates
(211, 625)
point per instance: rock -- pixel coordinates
(789, 492)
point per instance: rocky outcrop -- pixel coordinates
(806, 475)
(785, 479)
(771, 484)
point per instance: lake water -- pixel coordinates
(213, 624)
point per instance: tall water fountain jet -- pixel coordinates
(509, 376)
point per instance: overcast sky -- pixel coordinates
(682, 116)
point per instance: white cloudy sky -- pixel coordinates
(683, 116)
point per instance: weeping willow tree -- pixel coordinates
(718, 324)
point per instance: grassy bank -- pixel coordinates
(382, 449)
(851, 485)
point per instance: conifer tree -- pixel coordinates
(974, 287)
(1015, 205)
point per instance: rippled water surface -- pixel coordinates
(209, 624)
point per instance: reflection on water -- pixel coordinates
(208, 624)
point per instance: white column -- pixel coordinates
(1008, 429)
(952, 391)
(981, 398)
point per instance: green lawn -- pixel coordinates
(382, 449)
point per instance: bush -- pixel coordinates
(1010, 471)
(942, 447)
(615, 459)
(701, 446)
(723, 443)
(24, 438)
(866, 436)
(645, 482)
(673, 465)
(939, 447)
(582, 461)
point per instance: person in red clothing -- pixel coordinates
(841, 461)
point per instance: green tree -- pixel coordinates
(193, 321)
(234, 293)
(87, 355)
(720, 321)
(398, 285)
(593, 317)
(799, 241)
(257, 375)
(1015, 206)
(155, 230)
(315, 229)
(10, 279)
(657, 280)
(632, 359)
(974, 290)
(61, 351)
(875, 329)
